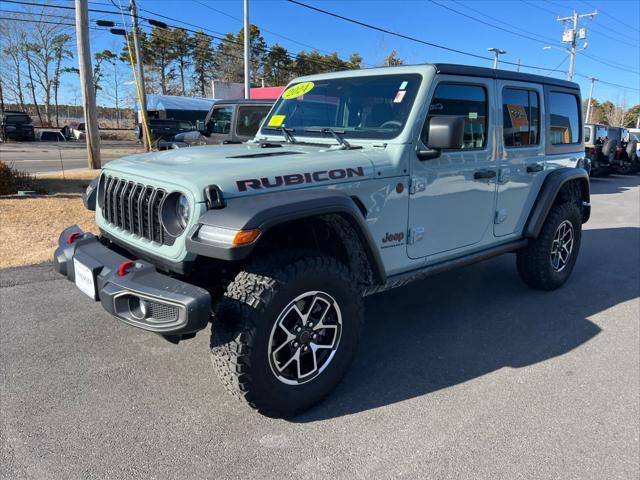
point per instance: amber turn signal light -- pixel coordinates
(245, 237)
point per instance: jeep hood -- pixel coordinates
(247, 169)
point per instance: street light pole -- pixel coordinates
(142, 94)
(87, 86)
(588, 116)
(497, 52)
(247, 52)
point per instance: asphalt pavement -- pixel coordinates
(43, 157)
(465, 375)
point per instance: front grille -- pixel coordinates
(134, 207)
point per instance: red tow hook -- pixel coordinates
(124, 267)
(72, 237)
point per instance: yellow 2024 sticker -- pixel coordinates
(276, 120)
(297, 90)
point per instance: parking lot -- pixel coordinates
(41, 157)
(467, 374)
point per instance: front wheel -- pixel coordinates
(285, 332)
(548, 260)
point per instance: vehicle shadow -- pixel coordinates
(457, 326)
(613, 184)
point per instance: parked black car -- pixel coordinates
(164, 129)
(228, 121)
(16, 125)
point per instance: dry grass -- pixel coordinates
(30, 226)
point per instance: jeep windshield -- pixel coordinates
(371, 107)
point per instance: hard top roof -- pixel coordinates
(466, 70)
(444, 69)
(244, 101)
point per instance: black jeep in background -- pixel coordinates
(161, 129)
(16, 125)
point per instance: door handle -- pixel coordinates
(535, 168)
(484, 174)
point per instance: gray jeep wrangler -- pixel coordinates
(357, 182)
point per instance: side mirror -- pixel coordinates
(445, 132)
(200, 126)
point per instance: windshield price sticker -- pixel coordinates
(473, 115)
(276, 120)
(403, 85)
(297, 90)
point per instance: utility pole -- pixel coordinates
(572, 35)
(247, 52)
(518, 66)
(1, 97)
(588, 116)
(142, 94)
(86, 84)
(497, 52)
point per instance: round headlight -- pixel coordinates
(182, 211)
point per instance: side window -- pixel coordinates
(564, 127)
(220, 121)
(467, 101)
(521, 117)
(249, 119)
(587, 134)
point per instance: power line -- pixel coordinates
(219, 38)
(326, 52)
(408, 37)
(467, 7)
(622, 39)
(617, 20)
(625, 87)
(544, 42)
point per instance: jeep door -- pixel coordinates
(218, 128)
(452, 197)
(521, 157)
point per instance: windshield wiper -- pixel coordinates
(336, 134)
(285, 131)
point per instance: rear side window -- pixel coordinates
(249, 119)
(467, 101)
(587, 134)
(521, 117)
(564, 125)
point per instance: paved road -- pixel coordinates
(40, 157)
(464, 375)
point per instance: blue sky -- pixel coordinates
(610, 37)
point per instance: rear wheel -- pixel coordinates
(286, 331)
(547, 261)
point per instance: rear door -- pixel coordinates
(522, 159)
(452, 197)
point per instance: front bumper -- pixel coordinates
(141, 296)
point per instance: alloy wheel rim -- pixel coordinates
(305, 337)
(562, 246)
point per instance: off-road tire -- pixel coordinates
(245, 316)
(534, 261)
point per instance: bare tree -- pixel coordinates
(615, 113)
(12, 60)
(61, 52)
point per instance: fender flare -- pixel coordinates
(548, 193)
(268, 210)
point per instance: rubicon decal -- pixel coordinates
(298, 178)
